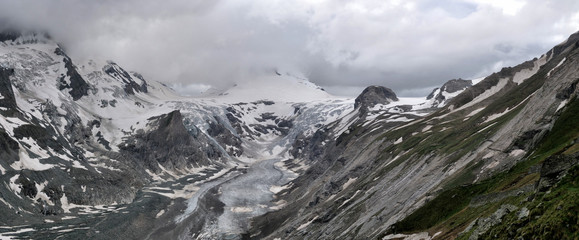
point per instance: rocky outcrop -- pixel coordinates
(9, 35)
(227, 140)
(482, 225)
(491, 81)
(170, 144)
(554, 169)
(8, 149)
(130, 85)
(73, 80)
(40, 135)
(450, 87)
(373, 95)
(7, 99)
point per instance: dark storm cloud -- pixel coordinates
(343, 46)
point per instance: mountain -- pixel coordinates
(91, 150)
(472, 169)
(439, 96)
(272, 86)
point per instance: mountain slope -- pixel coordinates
(371, 182)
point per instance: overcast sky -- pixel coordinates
(343, 46)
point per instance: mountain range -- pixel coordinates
(91, 150)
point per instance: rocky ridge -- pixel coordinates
(375, 182)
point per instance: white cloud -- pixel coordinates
(508, 7)
(339, 44)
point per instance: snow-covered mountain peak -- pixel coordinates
(276, 86)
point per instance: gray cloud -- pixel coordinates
(409, 46)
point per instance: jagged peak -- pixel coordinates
(373, 95)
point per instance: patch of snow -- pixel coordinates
(517, 152)
(6, 203)
(415, 236)
(436, 234)
(496, 115)
(154, 176)
(395, 158)
(307, 223)
(277, 189)
(399, 119)
(15, 187)
(241, 209)
(477, 80)
(491, 165)
(562, 104)
(489, 155)
(486, 94)
(475, 112)
(278, 205)
(349, 199)
(76, 164)
(485, 128)
(98, 164)
(283, 88)
(525, 74)
(330, 198)
(558, 65)
(65, 205)
(398, 141)
(348, 183)
(41, 195)
(160, 213)
(26, 162)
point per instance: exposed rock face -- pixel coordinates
(555, 168)
(73, 80)
(373, 95)
(482, 225)
(451, 86)
(491, 81)
(40, 135)
(9, 35)
(130, 85)
(228, 141)
(8, 148)
(170, 144)
(7, 99)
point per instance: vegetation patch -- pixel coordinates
(552, 215)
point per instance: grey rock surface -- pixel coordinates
(373, 95)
